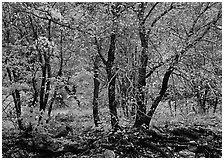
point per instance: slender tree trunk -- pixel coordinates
(16, 99)
(48, 67)
(204, 101)
(216, 103)
(146, 120)
(46, 73)
(96, 90)
(111, 77)
(60, 73)
(13, 77)
(43, 85)
(35, 94)
(48, 83)
(110, 69)
(61, 57)
(123, 89)
(35, 37)
(159, 97)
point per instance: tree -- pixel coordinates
(144, 35)
(191, 41)
(48, 45)
(110, 69)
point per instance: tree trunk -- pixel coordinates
(46, 73)
(111, 82)
(16, 99)
(43, 86)
(35, 94)
(146, 120)
(17, 102)
(216, 103)
(51, 103)
(110, 69)
(159, 98)
(35, 37)
(13, 77)
(141, 106)
(204, 100)
(48, 83)
(96, 90)
(61, 57)
(59, 74)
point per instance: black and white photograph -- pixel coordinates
(111, 79)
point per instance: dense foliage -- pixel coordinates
(117, 61)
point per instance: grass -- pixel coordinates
(82, 118)
(185, 116)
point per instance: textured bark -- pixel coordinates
(35, 94)
(16, 98)
(46, 73)
(204, 100)
(14, 77)
(51, 103)
(110, 69)
(111, 77)
(144, 36)
(216, 103)
(161, 94)
(35, 37)
(61, 57)
(48, 68)
(48, 83)
(53, 98)
(146, 120)
(96, 90)
(43, 85)
(141, 107)
(17, 102)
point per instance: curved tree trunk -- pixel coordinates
(146, 120)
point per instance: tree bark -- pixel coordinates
(160, 96)
(48, 83)
(144, 36)
(46, 73)
(110, 69)
(111, 77)
(146, 119)
(35, 37)
(96, 90)
(15, 94)
(35, 94)
(141, 107)
(61, 57)
(16, 98)
(43, 83)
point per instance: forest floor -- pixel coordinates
(186, 135)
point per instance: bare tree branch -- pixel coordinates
(153, 7)
(162, 14)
